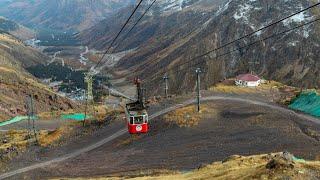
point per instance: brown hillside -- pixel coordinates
(16, 84)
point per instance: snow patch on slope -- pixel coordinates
(223, 8)
(243, 12)
(299, 18)
(170, 5)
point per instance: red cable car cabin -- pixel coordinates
(138, 122)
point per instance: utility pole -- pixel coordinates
(166, 88)
(85, 108)
(31, 115)
(198, 71)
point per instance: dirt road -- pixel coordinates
(211, 137)
(84, 150)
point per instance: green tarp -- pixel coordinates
(307, 102)
(15, 120)
(298, 159)
(76, 117)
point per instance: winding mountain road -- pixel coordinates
(153, 116)
(83, 60)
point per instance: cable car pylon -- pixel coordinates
(88, 95)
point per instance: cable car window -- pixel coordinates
(138, 120)
(131, 120)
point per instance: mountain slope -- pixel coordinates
(15, 29)
(166, 18)
(60, 14)
(174, 38)
(16, 83)
(266, 166)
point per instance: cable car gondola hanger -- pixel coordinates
(136, 113)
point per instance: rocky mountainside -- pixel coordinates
(165, 17)
(60, 14)
(16, 29)
(16, 83)
(176, 31)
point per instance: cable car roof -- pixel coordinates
(138, 113)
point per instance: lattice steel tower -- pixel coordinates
(89, 80)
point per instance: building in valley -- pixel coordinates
(248, 80)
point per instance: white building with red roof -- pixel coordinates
(248, 80)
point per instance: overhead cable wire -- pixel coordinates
(136, 23)
(118, 34)
(154, 77)
(148, 64)
(243, 37)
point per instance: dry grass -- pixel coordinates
(6, 69)
(15, 142)
(47, 138)
(9, 39)
(7, 98)
(55, 114)
(49, 115)
(3, 117)
(252, 167)
(232, 89)
(20, 139)
(272, 166)
(186, 116)
(101, 112)
(229, 87)
(138, 173)
(14, 139)
(274, 84)
(25, 78)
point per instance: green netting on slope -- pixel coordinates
(15, 120)
(298, 159)
(76, 117)
(308, 102)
